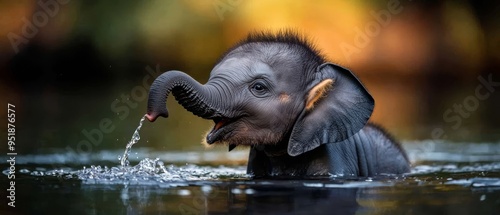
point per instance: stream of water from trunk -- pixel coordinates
(135, 138)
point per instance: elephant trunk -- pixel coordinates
(194, 97)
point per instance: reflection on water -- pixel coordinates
(157, 186)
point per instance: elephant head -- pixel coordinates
(270, 90)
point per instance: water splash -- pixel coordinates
(135, 138)
(152, 171)
(155, 172)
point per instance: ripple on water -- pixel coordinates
(480, 169)
(155, 172)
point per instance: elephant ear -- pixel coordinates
(337, 106)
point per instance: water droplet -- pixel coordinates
(249, 191)
(183, 192)
(206, 189)
(236, 191)
(482, 198)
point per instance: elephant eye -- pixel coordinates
(258, 89)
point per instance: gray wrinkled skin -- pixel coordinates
(260, 95)
(370, 152)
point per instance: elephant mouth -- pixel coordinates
(220, 129)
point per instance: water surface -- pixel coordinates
(447, 178)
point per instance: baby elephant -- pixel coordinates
(299, 114)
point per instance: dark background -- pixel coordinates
(86, 59)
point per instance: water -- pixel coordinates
(135, 138)
(447, 178)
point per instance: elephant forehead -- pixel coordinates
(242, 68)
